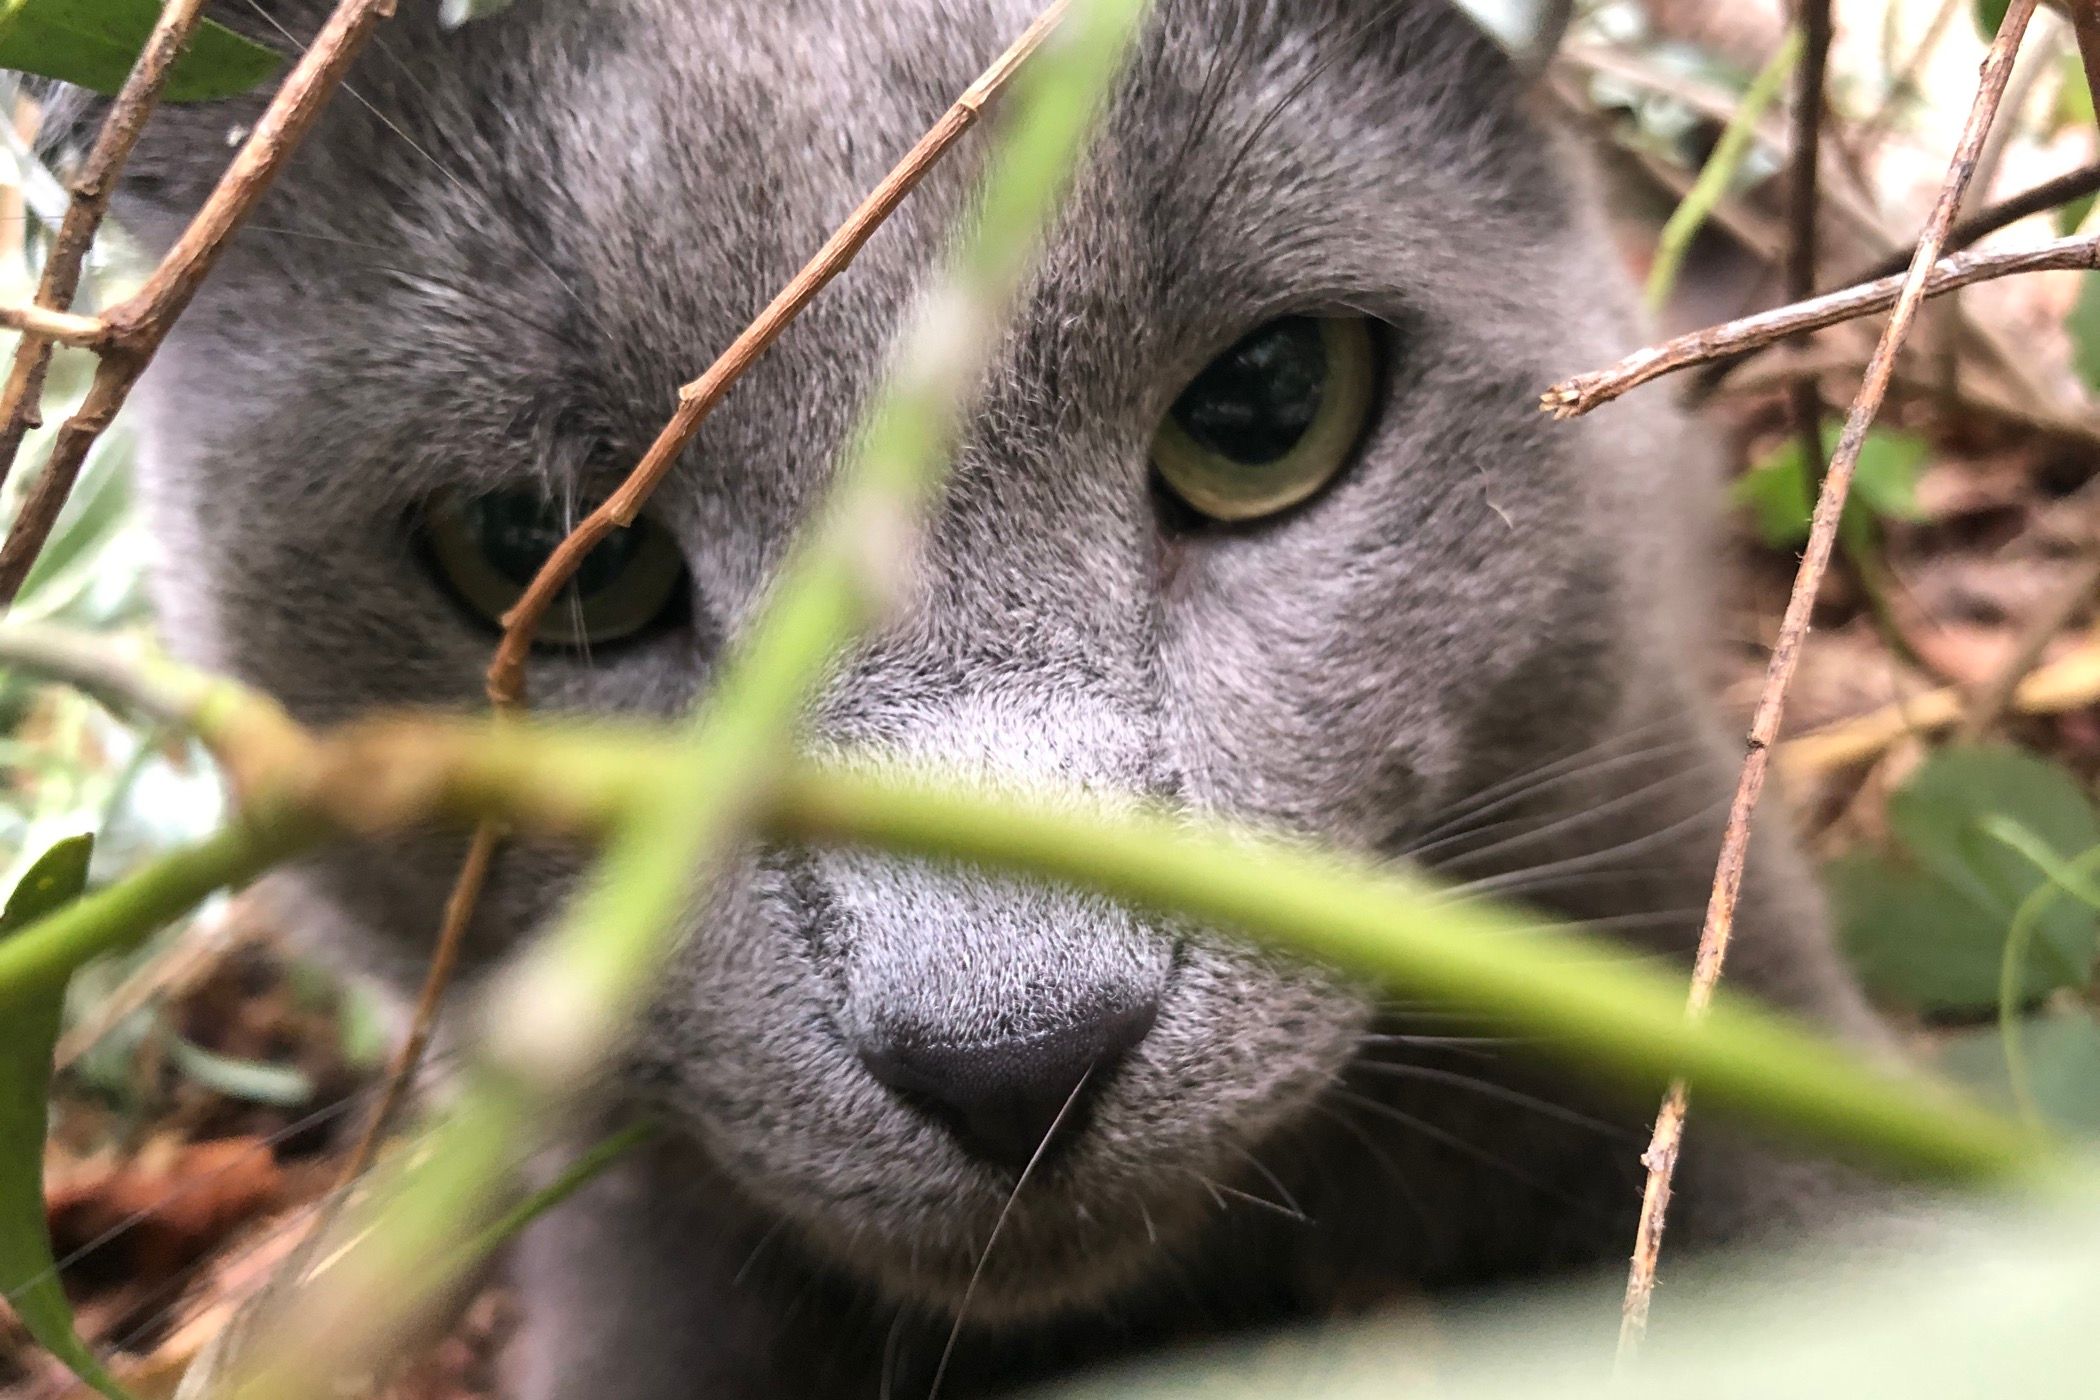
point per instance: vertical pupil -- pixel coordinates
(1255, 401)
(517, 532)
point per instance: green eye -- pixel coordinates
(1271, 420)
(486, 549)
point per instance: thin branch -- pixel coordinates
(1571, 398)
(137, 326)
(1804, 207)
(407, 1059)
(1663, 1148)
(41, 325)
(2050, 194)
(2085, 22)
(93, 187)
(506, 675)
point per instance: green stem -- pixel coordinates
(124, 915)
(1719, 172)
(1579, 993)
(574, 1177)
(2063, 878)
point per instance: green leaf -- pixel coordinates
(2061, 1050)
(2083, 324)
(1989, 15)
(94, 43)
(1780, 491)
(1930, 928)
(28, 1274)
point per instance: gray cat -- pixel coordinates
(1256, 516)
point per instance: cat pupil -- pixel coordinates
(1255, 402)
(516, 533)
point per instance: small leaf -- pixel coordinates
(94, 43)
(1989, 15)
(2083, 325)
(1781, 492)
(2061, 1050)
(28, 1031)
(1931, 928)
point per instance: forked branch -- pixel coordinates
(1584, 393)
(93, 185)
(134, 330)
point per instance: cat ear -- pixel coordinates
(1529, 30)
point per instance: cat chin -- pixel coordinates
(1067, 1245)
(1022, 1282)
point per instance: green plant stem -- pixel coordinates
(1719, 172)
(1580, 994)
(122, 916)
(2073, 878)
(573, 1178)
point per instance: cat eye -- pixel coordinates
(1272, 420)
(486, 549)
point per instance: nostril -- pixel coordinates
(1006, 1101)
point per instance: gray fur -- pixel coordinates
(582, 203)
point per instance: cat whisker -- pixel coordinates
(1443, 1137)
(1640, 799)
(1219, 1191)
(991, 1241)
(1488, 1088)
(1465, 819)
(1282, 1191)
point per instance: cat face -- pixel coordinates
(1323, 222)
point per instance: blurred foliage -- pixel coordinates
(1927, 922)
(93, 43)
(1780, 491)
(28, 1273)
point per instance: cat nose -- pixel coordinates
(1014, 1101)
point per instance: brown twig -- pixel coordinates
(2085, 23)
(40, 324)
(92, 188)
(1571, 398)
(506, 674)
(1663, 1147)
(135, 328)
(2050, 194)
(1803, 206)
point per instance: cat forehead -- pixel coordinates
(574, 206)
